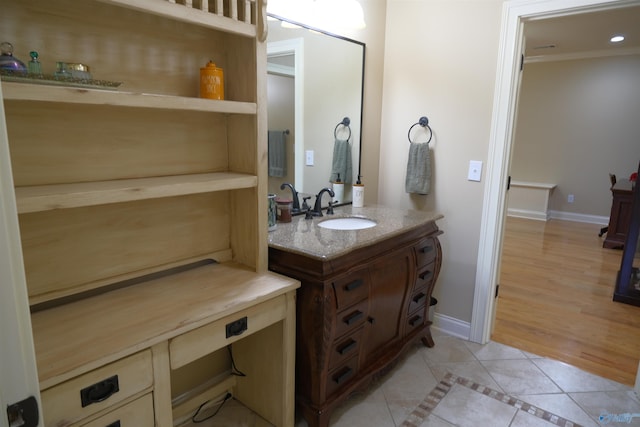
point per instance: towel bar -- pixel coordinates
(424, 122)
(345, 122)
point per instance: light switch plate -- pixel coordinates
(308, 155)
(475, 170)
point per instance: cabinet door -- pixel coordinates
(390, 278)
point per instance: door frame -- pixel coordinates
(511, 48)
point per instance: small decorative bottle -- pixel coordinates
(34, 67)
(338, 190)
(8, 61)
(358, 193)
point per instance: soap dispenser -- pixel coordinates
(338, 190)
(358, 193)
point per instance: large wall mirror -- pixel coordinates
(314, 82)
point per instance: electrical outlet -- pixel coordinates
(309, 157)
(570, 198)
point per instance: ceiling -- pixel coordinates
(584, 35)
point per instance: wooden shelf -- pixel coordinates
(187, 14)
(74, 95)
(63, 196)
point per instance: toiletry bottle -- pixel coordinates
(338, 190)
(358, 193)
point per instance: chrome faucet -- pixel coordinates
(294, 195)
(317, 208)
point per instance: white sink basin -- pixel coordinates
(351, 223)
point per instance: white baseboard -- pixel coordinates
(452, 326)
(577, 217)
(523, 213)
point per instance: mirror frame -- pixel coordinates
(300, 156)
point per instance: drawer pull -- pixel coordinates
(237, 327)
(353, 285)
(343, 375)
(347, 347)
(353, 317)
(114, 424)
(420, 298)
(99, 391)
(426, 249)
(426, 275)
(415, 320)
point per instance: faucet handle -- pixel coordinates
(308, 214)
(305, 205)
(330, 208)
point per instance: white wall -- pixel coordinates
(440, 62)
(578, 122)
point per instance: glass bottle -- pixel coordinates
(34, 65)
(8, 61)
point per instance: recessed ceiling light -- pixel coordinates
(616, 39)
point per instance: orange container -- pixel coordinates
(211, 82)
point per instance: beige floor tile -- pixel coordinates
(520, 377)
(609, 404)
(407, 385)
(464, 407)
(570, 378)
(494, 351)
(447, 349)
(562, 405)
(471, 370)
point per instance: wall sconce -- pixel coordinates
(330, 15)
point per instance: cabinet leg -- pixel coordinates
(427, 339)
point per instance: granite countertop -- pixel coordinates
(305, 237)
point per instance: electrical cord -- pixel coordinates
(196, 421)
(234, 371)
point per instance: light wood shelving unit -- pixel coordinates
(142, 212)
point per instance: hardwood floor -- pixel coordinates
(555, 298)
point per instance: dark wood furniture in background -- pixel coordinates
(628, 281)
(620, 217)
(356, 314)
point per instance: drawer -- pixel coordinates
(138, 413)
(416, 320)
(344, 348)
(351, 288)
(424, 278)
(342, 375)
(348, 320)
(426, 251)
(418, 300)
(99, 389)
(199, 342)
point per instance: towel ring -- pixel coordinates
(345, 122)
(424, 122)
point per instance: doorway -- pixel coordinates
(502, 130)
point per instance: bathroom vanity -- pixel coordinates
(363, 301)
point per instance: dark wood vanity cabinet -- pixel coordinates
(357, 313)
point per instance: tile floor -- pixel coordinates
(459, 383)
